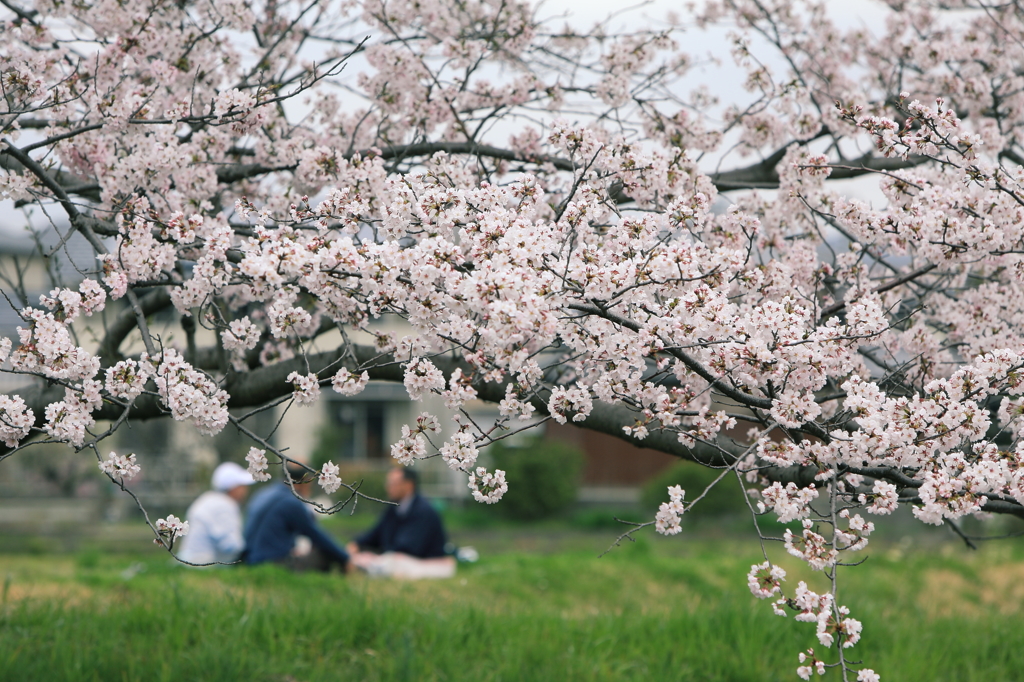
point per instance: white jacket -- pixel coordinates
(215, 530)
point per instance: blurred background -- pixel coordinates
(560, 477)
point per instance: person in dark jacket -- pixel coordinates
(408, 539)
(276, 518)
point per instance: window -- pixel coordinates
(359, 429)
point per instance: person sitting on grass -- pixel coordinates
(277, 519)
(215, 518)
(408, 540)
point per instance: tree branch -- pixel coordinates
(127, 321)
(84, 224)
(892, 284)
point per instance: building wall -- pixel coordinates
(609, 461)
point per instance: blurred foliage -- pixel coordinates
(543, 478)
(725, 499)
(330, 440)
(604, 518)
(372, 479)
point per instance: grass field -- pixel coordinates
(657, 610)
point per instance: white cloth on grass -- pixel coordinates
(405, 567)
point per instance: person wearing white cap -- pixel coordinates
(215, 518)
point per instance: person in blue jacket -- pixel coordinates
(410, 530)
(276, 518)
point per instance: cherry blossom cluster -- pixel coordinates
(487, 487)
(564, 402)
(241, 335)
(170, 529)
(421, 376)
(513, 404)
(69, 420)
(307, 387)
(68, 304)
(811, 547)
(348, 383)
(256, 459)
(329, 479)
(833, 626)
(460, 451)
(137, 256)
(459, 390)
(120, 467)
(413, 444)
(883, 498)
(47, 346)
(809, 664)
(789, 503)
(855, 536)
(127, 379)
(188, 393)
(765, 580)
(667, 520)
(16, 420)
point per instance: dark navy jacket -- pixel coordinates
(415, 530)
(275, 517)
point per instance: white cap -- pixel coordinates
(229, 475)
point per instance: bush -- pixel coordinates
(725, 499)
(330, 438)
(372, 478)
(543, 478)
(603, 518)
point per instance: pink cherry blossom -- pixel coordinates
(257, 461)
(329, 479)
(121, 467)
(487, 487)
(573, 226)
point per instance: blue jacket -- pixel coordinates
(275, 517)
(415, 529)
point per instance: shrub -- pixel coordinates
(330, 439)
(604, 518)
(372, 478)
(543, 478)
(725, 499)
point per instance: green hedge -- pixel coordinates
(543, 478)
(725, 499)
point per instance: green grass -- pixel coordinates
(657, 610)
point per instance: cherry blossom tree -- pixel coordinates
(570, 223)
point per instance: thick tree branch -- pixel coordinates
(888, 286)
(691, 363)
(65, 180)
(230, 174)
(85, 225)
(759, 175)
(763, 175)
(127, 321)
(263, 385)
